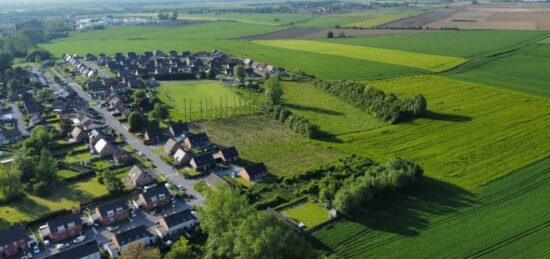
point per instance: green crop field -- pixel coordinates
(332, 115)
(508, 218)
(429, 62)
(365, 19)
(255, 18)
(527, 71)
(309, 213)
(66, 196)
(262, 139)
(462, 44)
(206, 100)
(472, 134)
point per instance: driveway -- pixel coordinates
(162, 167)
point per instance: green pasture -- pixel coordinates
(309, 213)
(331, 115)
(367, 19)
(527, 71)
(428, 62)
(262, 139)
(471, 135)
(254, 18)
(508, 218)
(463, 43)
(65, 196)
(206, 100)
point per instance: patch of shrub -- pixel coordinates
(296, 123)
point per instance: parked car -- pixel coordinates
(112, 228)
(36, 250)
(61, 246)
(79, 239)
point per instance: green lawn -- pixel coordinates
(77, 158)
(510, 217)
(333, 116)
(309, 213)
(66, 173)
(62, 197)
(429, 62)
(261, 139)
(464, 44)
(527, 71)
(208, 100)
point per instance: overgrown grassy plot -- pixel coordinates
(331, 115)
(526, 71)
(434, 63)
(309, 213)
(472, 134)
(441, 219)
(204, 100)
(261, 139)
(462, 44)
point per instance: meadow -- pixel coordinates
(509, 217)
(434, 63)
(66, 196)
(331, 115)
(463, 44)
(526, 71)
(366, 19)
(196, 100)
(254, 18)
(262, 139)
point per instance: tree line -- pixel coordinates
(294, 122)
(382, 105)
(27, 35)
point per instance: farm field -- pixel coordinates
(472, 134)
(254, 18)
(208, 100)
(428, 62)
(309, 213)
(332, 115)
(509, 217)
(262, 139)
(463, 44)
(366, 19)
(526, 71)
(66, 196)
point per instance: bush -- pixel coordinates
(40, 189)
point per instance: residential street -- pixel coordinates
(161, 167)
(19, 117)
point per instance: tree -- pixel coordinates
(273, 90)
(174, 16)
(112, 183)
(43, 94)
(137, 122)
(211, 75)
(180, 250)
(240, 73)
(14, 84)
(10, 183)
(6, 60)
(137, 250)
(330, 34)
(161, 111)
(46, 169)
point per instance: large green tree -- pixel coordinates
(10, 183)
(240, 73)
(137, 250)
(180, 250)
(273, 90)
(6, 60)
(137, 122)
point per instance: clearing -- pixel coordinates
(509, 217)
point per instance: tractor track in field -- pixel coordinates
(509, 193)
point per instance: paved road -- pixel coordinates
(19, 117)
(35, 70)
(93, 65)
(162, 167)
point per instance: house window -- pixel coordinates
(61, 229)
(162, 196)
(119, 210)
(110, 213)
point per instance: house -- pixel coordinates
(182, 157)
(78, 134)
(178, 129)
(124, 238)
(13, 242)
(94, 136)
(197, 141)
(139, 177)
(113, 212)
(64, 227)
(152, 136)
(155, 197)
(171, 146)
(203, 162)
(254, 172)
(228, 155)
(122, 157)
(104, 148)
(88, 250)
(30, 104)
(10, 136)
(214, 180)
(176, 223)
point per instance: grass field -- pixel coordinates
(365, 19)
(472, 134)
(261, 139)
(462, 44)
(428, 62)
(509, 218)
(208, 100)
(62, 197)
(527, 71)
(332, 115)
(309, 213)
(255, 18)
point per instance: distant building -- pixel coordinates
(176, 223)
(155, 197)
(65, 227)
(197, 141)
(254, 172)
(122, 239)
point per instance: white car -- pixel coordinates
(112, 228)
(79, 239)
(61, 246)
(36, 250)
